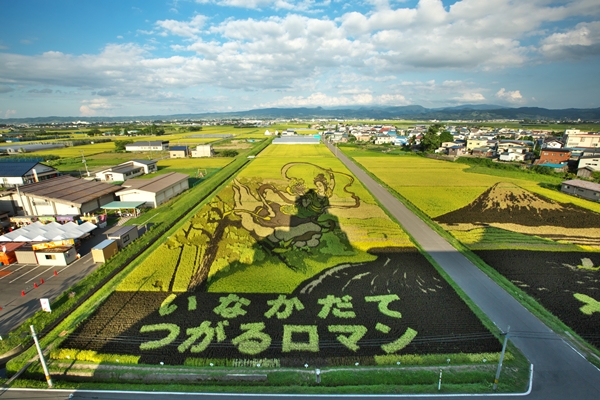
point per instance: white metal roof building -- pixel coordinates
(155, 191)
(14, 173)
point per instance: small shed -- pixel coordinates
(7, 252)
(585, 172)
(179, 152)
(25, 254)
(104, 250)
(56, 256)
(123, 235)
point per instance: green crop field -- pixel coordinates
(291, 262)
(488, 208)
(360, 225)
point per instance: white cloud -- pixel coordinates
(91, 107)
(513, 97)
(295, 5)
(9, 113)
(179, 28)
(322, 99)
(470, 98)
(581, 42)
(353, 59)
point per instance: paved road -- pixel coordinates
(560, 372)
(80, 395)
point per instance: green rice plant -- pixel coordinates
(441, 359)
(401, 342)
(354, 334)
(253, 341)
(590, 306)
(155, 273)
(92, 356)
(312, 344)
(185, 268)
(156, 344)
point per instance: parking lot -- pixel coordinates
(23, 285)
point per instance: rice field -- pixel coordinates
(75, 151)
(241, 249)
(437, 187)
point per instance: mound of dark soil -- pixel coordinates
(507, 203)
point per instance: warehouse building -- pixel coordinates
(156, 191)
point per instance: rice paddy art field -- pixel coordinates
(544, 245)
(293, 262)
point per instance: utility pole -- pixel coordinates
(501, 359)
(42, 361)
(84, 163)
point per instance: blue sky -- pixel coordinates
(149, 57)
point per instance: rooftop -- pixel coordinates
(16, 168)
(155, 184)
(69, 190)
(583, 184)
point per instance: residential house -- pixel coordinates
(476, 143)
(401, 140)
(14, 173)
(553, 156)
(575, 138)
(179, 152)
(583, 189)
(457, 151)
(513, 156)
(150, 145)
(155, 191)
(384, 138)
(483, 152)
(203, 150)
(127, 170)
(592, 161)
(551, 143)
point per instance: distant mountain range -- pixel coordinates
(467, 112)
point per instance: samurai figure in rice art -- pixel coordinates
(294, 216)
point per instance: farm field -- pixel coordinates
(565, 283)
(542, 242)
(445, 191)
(292, 262)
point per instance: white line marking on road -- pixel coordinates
(20, 276)
(18, 269)
(12, 272)
(39, 274)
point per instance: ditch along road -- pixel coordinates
(560, 372)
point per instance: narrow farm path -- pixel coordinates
(560, 372)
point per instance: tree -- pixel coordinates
(446, 137)
(120, 144)
(228, 153)
(94, 132)
(431, 140)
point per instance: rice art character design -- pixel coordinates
(294, 216)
